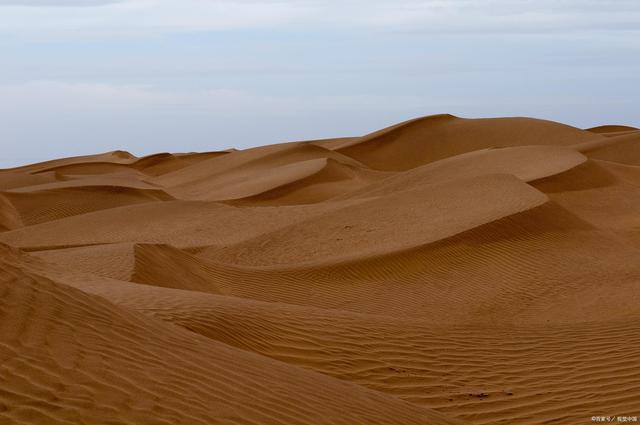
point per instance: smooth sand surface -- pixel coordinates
(440, 271)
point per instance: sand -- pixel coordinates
(439, 271)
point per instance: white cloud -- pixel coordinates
(494, 16)
(56, 3)
(143, 17)
(152, 17)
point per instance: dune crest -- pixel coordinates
(423, 140)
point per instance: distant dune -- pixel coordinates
(439, 271)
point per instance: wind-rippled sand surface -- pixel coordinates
(440, 271)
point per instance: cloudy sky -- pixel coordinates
(85, 76)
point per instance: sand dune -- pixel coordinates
(45, 205)
(14, 180)
(68, 357)
(624, 149)
(250, 173)
(9, 216)
(305, 182)
(155, 164)
(603, 193)
(410, 359)
(402, 220)
(114, 157)
(442, 270)
(423, 140)
(525, 162)
(302, 182)
(179, 223)
(535, 261)
(415, 362)
(161, 265)
(604, 129)
(421, 282)
(163, 163)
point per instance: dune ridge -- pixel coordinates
(423, 140)
(442, 270)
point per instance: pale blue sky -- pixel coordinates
(82, 76)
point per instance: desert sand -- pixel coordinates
(440, 271)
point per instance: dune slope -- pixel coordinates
(423, 140)
(467, 371)
(61, 363)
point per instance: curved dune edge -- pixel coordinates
(163, 265)
(16, 180)
(611, 129)
(164, 163)
(527, 163)
(311, 181)
(153, 264)
(61, 365)
(39, 206)
(9, 216)
(250, 172)
(602, 193)
(403, 220)
(127, 180)
(624, 149)
(423, 140)
(114, 157)
(179, 223)
(155, 164)
(277, 177)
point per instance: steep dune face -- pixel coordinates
(301, 182)
(116, 261)
(623, 149)
(304, 182)
(166, 266)
(160, 265)
(437, 271)
(52, 204)
(9, 217)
